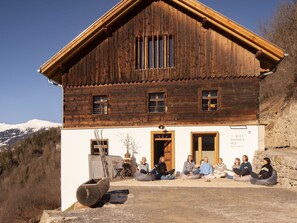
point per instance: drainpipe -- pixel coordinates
(274, 69)
(53, 83)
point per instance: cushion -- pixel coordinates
(144, 177)
(269, 181)
(245, 178)
(184, 176)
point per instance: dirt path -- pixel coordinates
(179, 204)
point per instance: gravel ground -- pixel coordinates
(187, 204)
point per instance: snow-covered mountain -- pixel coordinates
(10, 133)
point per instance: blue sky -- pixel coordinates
(32, 31)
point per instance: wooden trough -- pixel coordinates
(90, 192)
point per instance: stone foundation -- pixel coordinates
(284, 161)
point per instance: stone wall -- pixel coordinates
(284, 161)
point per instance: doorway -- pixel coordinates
(205, 144)
(162, 144)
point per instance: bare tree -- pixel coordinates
(282, 30)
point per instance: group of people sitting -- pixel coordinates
(220, 170)
(159, 172)
(206, 170)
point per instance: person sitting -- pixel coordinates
(266, 170)
(220, 169)
(189, 167)
(143, 167)
(162, 173)
(206, 168)
(236, 165)
(245, 168)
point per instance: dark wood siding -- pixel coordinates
(128, 103)
(198, 52)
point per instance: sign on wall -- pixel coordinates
(237, 140)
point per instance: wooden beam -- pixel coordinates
(205, 23)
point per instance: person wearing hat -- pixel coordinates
(266, 170)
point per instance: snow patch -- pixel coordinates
(10, 132)
(32, 124)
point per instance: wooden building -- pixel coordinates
(175, 64)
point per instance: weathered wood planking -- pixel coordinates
(198, 52)
(128, 103)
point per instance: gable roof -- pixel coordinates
(53, 68)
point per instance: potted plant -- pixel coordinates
(129, 144)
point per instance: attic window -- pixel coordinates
(100, 105)
(154, 52)
(209, 100)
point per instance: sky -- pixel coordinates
(32, 31)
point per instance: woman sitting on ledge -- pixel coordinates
(245, 167)
(162, 173)
(236, 165)
(143, 167)
(189, 167)
(220, 169)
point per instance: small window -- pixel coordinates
(95, 148)
(100, 105)
(156, 102)
(210, 100)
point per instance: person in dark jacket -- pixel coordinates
(245, 167)
(266, 170)
(162, 172)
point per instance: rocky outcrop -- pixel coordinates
(284, 161)
(281, 123)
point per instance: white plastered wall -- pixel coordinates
(233, 142)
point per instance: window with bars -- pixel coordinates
(154, 52)
(100, 105)
(95, 148)
(210, 100)
(156, 102)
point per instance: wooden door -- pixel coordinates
(162, 144)
(168, 154)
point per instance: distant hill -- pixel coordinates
(30, 175)
(9, 134)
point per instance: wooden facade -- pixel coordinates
(199, 52)
(207, 53)
(128, 103)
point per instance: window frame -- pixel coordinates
(93, 144)
(107, 104)
(154, 52)
(200, 99)
(157, 91)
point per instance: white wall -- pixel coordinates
(233, 142)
